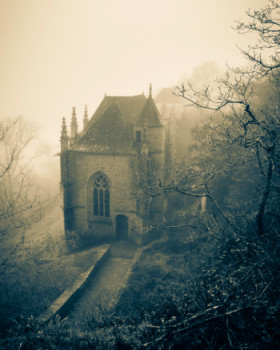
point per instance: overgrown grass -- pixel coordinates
(37, 269)
(205, 298)
(210, 293)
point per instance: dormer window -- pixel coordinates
(138, 136)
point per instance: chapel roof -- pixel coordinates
(110, 129)
(149, 115)
(129, 106)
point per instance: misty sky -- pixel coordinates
(56, 54)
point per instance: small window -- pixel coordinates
(138, 136)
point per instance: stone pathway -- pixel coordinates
(61, 306)
(105, 288)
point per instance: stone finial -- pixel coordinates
(85, 117)
(73, 112)
(63, 128)
(64, 136)
(74, 124)
(150, 90)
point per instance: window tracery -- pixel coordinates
(101, 196)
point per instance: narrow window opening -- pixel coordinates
(101, 196)
(138, 136)
(95, 202)
(101, 202)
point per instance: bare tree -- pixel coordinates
(266, 23)
(18, 197)
(248, 120)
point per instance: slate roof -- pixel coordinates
(130, 107)
(111, 127)
(149, 116)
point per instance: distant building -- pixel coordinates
(106, 168)
(166, 100)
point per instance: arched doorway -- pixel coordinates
(122, 227)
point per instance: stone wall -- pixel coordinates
(156, 137)
(120, 170)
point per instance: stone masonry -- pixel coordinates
(104, 166)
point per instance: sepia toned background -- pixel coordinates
(59, 54)
(157, 226)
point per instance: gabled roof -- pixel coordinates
(129, 106)
(111, 126)
(149, 116)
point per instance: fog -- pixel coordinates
(148, 230)
(55, 55)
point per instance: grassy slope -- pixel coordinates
(41, 267)
(196, 296)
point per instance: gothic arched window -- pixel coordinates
(101, 195)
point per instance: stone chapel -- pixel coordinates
(106, 167)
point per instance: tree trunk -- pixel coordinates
(265, 194)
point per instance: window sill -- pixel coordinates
(101, 219)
